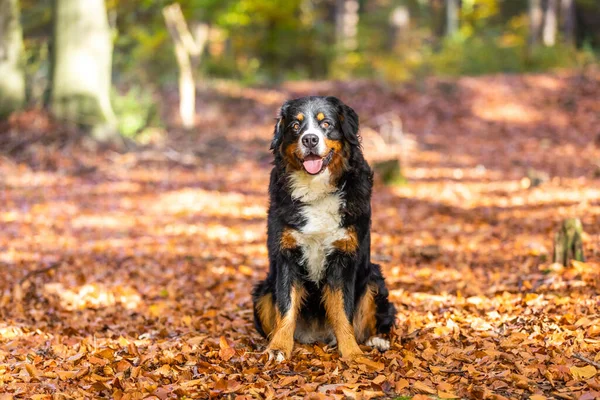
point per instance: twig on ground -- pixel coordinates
(39, 271)
(587, 360)
(453, 371)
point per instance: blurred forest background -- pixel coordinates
(263, 42)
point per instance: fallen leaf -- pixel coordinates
(377, 366)
(586, 372)
(401, 385)
(422, 387)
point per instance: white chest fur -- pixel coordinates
(321, 207)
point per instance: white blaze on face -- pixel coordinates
(313, 128)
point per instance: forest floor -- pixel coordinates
(128, 275)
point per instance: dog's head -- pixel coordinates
(315, 133)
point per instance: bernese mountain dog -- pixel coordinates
(321, 285)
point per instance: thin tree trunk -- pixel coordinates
(346, 24)
(451, 17)
(82, 62)
(12, 76)
(188, 51)
(535, 21)
(399, 25)
(568, 21)
(550, 23)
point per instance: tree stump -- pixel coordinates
(568, 244)
(393, 147)
(390, 171)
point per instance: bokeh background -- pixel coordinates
(264, 42)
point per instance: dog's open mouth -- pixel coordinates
(314, 164)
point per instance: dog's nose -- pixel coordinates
(310, 140)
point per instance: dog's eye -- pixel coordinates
(296, 126)
(325, 125)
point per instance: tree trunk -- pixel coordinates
(550, 23)
(451, 17)
(346, 24)
(535, 22)
(81, 70)
(12, 76)
(568, 243)
(568, 21)
(188, 51)
(399, 26)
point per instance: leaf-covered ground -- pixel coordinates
(144, 261)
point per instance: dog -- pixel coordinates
(321, 285)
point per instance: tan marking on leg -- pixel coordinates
(364, 317)
(283, 334)
(344, 333)
(320, 116)
(349, 244)
(266, 313)
(300, 117)
(288, 241)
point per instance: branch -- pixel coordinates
(39, 271)
(587, 360)
(180, 31)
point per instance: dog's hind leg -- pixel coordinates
(365, 320)
(265, 314)
(374, 313)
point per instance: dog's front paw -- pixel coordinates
(350, 350)
(378, 343)
(277, 355)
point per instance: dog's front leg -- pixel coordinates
(338, 299)
(289, 300)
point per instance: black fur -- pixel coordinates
(350, 272)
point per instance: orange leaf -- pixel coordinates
(446, 395)
(288, 380)
(223, 343)
(401, 384)
(32, 370)
(422, 387)
(537, 397)
(65, 375)
(583, 372)
(377, 366)
(226, 354)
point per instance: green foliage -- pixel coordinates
(483, 45)
(265, 41)
(136, 111)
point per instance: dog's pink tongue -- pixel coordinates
(313, 164)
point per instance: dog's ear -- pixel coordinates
(279, 127)
(348, 120)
